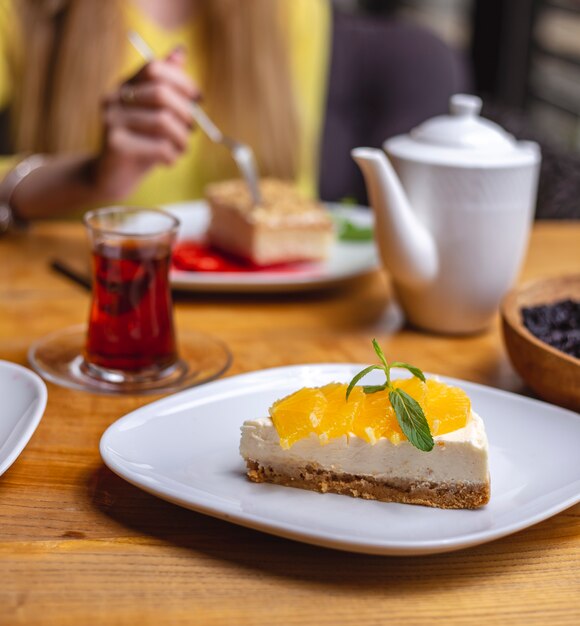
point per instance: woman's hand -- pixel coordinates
(147, 122)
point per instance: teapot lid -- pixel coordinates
(462, 138)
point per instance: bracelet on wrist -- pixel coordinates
(9, 218)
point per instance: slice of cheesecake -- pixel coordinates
(283, 228)
(315, 439)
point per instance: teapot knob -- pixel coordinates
(464, 104)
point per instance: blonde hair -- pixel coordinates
(74, 46)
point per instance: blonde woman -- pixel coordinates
(91, 123)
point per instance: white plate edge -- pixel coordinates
(32, 425)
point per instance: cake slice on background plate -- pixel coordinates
(413, 441)
(283, 228)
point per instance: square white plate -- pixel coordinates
(347, 261)
(184, 448)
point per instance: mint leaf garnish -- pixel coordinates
(412, 420)
(414, 370)
(380, 353)
(360, 375)
(348, 230)
(409, 413)
(374, 388)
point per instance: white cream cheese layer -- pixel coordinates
(459, 456)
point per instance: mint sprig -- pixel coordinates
(409, 413)
(349, 231)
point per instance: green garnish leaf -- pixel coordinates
(409, 413)
(374, 388)
(380, 353)
(348, 231)
(360, 375)
(414, 370)
(412, 420)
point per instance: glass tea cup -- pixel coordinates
(131, 335)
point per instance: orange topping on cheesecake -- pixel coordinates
(326, 412)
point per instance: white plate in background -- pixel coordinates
(184, 448)
(347, 261)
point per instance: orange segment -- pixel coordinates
(447, 408)
(338, 415)
(414, 387)
(376, 419)
(325, 411)
(297, 415)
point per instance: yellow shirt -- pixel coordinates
(308, 23)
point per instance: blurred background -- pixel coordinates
(524, 53)
(394, 64)
(523, 58)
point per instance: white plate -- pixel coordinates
(347, 261)
(184, 449)
(23, 395)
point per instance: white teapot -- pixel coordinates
(453, 203)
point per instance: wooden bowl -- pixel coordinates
(552, 374)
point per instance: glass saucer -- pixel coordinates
(58, 358)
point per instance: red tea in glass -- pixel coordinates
(130, 333)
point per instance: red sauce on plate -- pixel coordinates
(193, 256)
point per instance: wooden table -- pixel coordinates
(78, 545)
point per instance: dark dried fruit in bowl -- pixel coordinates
(557, 324)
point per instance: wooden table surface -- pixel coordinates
(78, 545)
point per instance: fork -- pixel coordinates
(242, 154)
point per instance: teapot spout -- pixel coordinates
(407, 248)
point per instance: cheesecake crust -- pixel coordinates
(457, 495)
